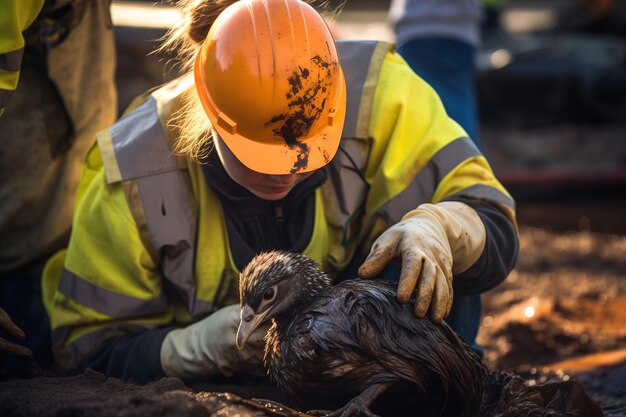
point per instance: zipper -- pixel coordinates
(279, 214)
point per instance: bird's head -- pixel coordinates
(273, 284)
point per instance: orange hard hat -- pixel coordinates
(269, 79)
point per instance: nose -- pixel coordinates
(286, 179)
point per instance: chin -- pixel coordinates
(271, 196)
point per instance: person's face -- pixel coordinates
(265, 186)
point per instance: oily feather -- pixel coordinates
(355, 335)
(327, 345)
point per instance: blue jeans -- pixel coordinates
(448, 66)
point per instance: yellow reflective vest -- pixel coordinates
(15, 17)
(149, 245)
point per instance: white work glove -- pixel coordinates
(207, 347)
(435, 242)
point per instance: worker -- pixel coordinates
(277, 138)
(57, 90)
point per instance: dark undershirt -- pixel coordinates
(256, 225)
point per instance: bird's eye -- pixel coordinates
(269, 294)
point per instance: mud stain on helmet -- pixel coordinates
(308, 91)
(302, 160)
(325, 154)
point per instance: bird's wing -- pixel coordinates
(328, 359)
(417, 350)
(358, 334)
(379, 327)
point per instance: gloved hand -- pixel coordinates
(207, 347)
(7, 347)
(435, 242)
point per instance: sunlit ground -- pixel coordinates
(562, 312)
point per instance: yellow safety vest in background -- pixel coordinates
(149, 245)
(15, 18)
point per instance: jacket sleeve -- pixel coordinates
(499, 254)
(418, 155)
(15, 17)
(134, 357)
(105, 285)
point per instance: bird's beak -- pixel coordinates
(248, 324)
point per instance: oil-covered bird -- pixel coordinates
(342, 346)
(353, 348)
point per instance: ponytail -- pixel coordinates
(186, 36)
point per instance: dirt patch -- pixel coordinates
(94, 395)
(561, 314)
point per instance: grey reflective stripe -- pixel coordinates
(201, 307)
(140, 143)
(354, 58)
(485, 192)
(71, 355)
(450, 156)
(5, 96)
(143, 153)
(166, 203)
(423, 186)
(108, 302)
(11, 61)
(59, 336)
(348, 186)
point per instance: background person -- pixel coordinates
(57, 65)
(439, 40)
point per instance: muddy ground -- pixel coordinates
(560, 315)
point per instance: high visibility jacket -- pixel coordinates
(149, 245)
(15, 17)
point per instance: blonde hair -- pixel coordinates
(185, 40)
